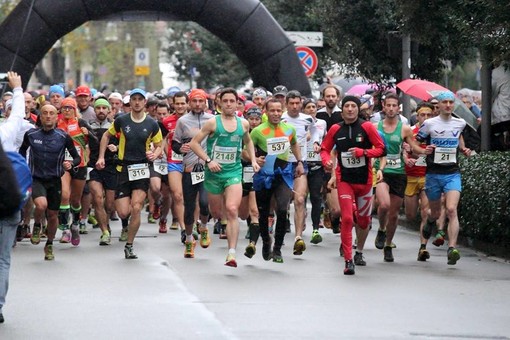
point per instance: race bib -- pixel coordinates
(160, 167)
(349, 161)
(445, 155)
(248, 174)
(421, 161)
(277, 145)
(312, 156)
(393, 161)
(68, 157)
(197, 177)
(138, 171)
(225, 154)
(177, 157)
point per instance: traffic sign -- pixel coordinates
(311, 39)
(308, 59)
(142, 70)
(142, 57)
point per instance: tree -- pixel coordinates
(195, 52)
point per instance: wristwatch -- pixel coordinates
(208, 160)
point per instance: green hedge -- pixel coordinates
(484, 210)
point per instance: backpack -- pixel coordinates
(15, 183)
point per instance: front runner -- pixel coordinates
(137, 131)
(274, 139)
(443, 135)
(356, 142)
(225, 135)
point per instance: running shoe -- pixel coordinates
(44, 232)
(250, 250)
(151, 219)
(316, 237)
(453, 256)
(349, 268)
(83, 228)
(36, 235)
(174, 225)
(66, 236)
(26, 231)
(19, 233)
(335, 226)
(217, 228)
(105, 239)
(439, 241)
(223, 232)
(129, 253)
(380, 239)
(162, 226)
(75, 234)
(195, 232)
(266, 250)
(359, 260)
(427, 229)
(48, 252)
(277, 256)
(423, 255)
(231, 261)
(189, 249)
(92, 220)
(388, 254)
(205, 240)
(299, 247)
(113, 216)
(123, 235)
(157, 211)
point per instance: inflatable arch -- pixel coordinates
(245, 25)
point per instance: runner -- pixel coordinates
(443, 136)
(136, 132)
(193, 177)
(225, 135)
(356, 141)
(273, 141)
(47, 163)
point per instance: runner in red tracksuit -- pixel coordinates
(356, 141)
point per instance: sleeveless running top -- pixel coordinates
(394, 157)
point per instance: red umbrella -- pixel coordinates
(421, 89)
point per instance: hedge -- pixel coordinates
(484, 211)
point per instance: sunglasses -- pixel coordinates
(67, 108)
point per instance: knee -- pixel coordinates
(363, 222)
(383, 207)
(231, 211)
(177, 197)
(451, 212)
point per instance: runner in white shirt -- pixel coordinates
(305, 131)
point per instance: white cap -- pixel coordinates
(115, 95)
(125, 100)
(8, 103)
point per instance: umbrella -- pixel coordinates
(361, 89)
(420, 88)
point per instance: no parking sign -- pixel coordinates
(308, 59)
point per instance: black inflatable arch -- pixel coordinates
(245, 25)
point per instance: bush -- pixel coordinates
(484, 206)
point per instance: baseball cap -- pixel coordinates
(8, 103)
(137, 91)
(115, 95)
(125, 100)
(280, 90)
(259, 92)
(101, 102)
(173, 90)
(82, 90)
(57, 89)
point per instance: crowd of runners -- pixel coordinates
(202, 162)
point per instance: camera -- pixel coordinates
(3, 77)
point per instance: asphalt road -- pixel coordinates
(92, 292)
